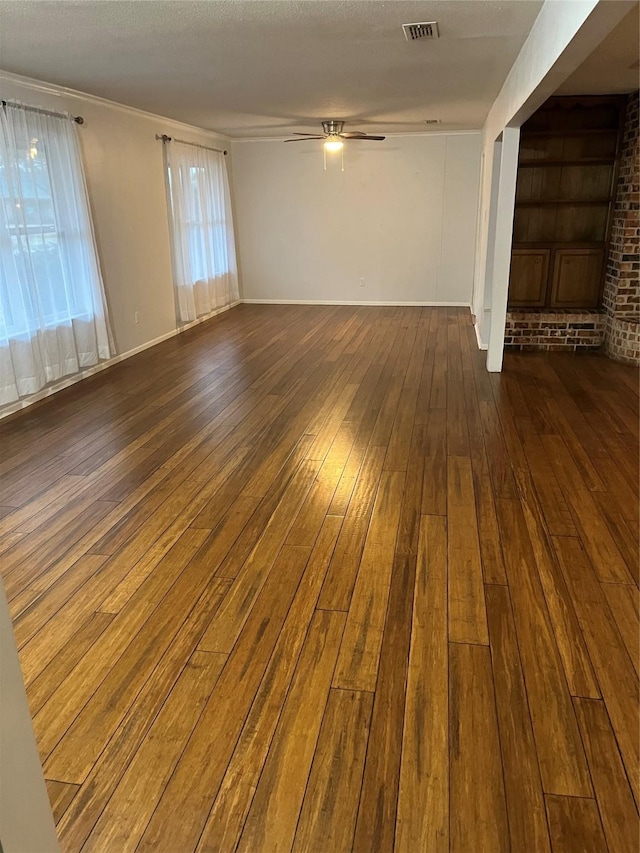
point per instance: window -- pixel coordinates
(204, 261)
(204, 227)
(53, 319)
(35, 241)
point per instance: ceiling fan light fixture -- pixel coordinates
(333, 143)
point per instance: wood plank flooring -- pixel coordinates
(309, 578)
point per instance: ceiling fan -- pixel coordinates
(333, 135)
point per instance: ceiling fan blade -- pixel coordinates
(304, 139)
(297, 133)
(352, 134)
(365, 136)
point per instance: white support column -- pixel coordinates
(502, 246)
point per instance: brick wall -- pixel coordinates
(554, 329)
(622, 284)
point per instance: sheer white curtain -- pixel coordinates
(204, 255)
(53, 314)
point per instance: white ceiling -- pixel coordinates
(263, 68)
(612, 68)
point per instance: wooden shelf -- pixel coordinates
(568, 149)
(563, 244)
(525, 134)
(585, 161)
(574, 201)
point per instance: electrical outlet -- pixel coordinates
(136, 318)
(361, 281)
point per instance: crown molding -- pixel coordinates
(63, 91)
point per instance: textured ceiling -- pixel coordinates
(262, 68)
(612, 67)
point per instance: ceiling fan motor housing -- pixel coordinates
(332, 127)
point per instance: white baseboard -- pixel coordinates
(185, 326)
(353, 302)
(481, 345)
(24, 402)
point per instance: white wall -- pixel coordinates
(402, 216)
(125, 177)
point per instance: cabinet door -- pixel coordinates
(528, 279)
(577, 274)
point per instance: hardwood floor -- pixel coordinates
(309, 578)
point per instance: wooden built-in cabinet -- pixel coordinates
(577, 276)
(529, 275)
(567, 175)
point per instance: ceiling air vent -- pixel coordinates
(432, 121)
(425, 30)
